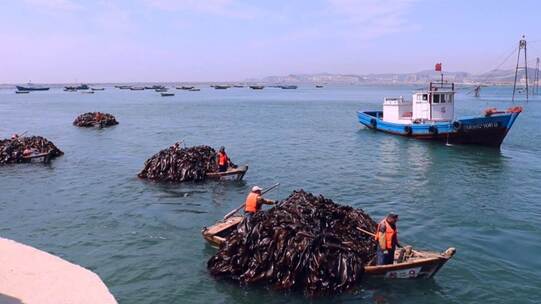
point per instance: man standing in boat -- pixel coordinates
(387, 239)
(255, 201)
(223, 160)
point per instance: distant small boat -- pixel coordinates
(167, 94)
(98, 89)
(87, 92)
(221, 87)
(319, 86)
(75, 88)
(194, 90)
(123, 87)
(137, 88)
(257, 87)
(184, 88)
(238, 86)
(31, 87)
(22, 92)
(161, 90)
(289, 87)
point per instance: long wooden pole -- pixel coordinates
(230, 214)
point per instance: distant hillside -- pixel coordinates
(492, 77)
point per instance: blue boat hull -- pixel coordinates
(481, 130)
(21, 88)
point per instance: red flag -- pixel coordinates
(438, 67)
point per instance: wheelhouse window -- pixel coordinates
(425, 97)
(436, 98)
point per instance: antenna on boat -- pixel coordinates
(521, 46)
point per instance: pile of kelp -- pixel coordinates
(176, 164)
(95, 119)
(306, 243)
(12, 150)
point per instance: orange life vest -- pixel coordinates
(222, 159)
(251, 204)
(390, 234)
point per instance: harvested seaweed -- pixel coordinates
(95, 119)
(176, 164)
(20, 149)
(304, 243)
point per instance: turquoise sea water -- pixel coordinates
(144, 238)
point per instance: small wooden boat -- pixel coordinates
(238, 86)
(187, 88)
(221, 87)
(408, 263)
(194, 90)
(161, 90)
(98, 89)
(22, 92)
(319, 86)
(137, 88)
(289, 87)
(32, 87)
(167, 94)
(41, 157)
(236, 174)
(257, 87)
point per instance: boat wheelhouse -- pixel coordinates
(430, 115)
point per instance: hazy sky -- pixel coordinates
(212, 40)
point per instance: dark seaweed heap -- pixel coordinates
(90, 120)
(11, 150)
(304, 243)
(176, 164)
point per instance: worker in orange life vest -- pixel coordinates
(223, 160)
(255, 201)
(387, 239)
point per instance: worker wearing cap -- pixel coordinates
(255, 201)
(387, 239)
(223, 160)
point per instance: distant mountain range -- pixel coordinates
(494, 77)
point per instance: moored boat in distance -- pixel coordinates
(165, 94)
(257, 87)
(430, 115)
(408, 263)
(289, 87)
(22, 92)
(221, 87)
(187, 88)
(76, 88)
(97, 89)
(32, 87)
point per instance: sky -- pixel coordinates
(49, 41)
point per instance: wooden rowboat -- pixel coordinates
(408, 263)
(232, 174)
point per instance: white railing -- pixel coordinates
(395, 101)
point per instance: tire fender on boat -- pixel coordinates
(408, 130)
(373, 122)
(457, 125)
(433, 130)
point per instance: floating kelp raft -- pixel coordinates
(24, 149)
(176, 164)
(304, 243)
(95, 119)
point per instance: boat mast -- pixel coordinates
(521, 46)
(536, 82)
